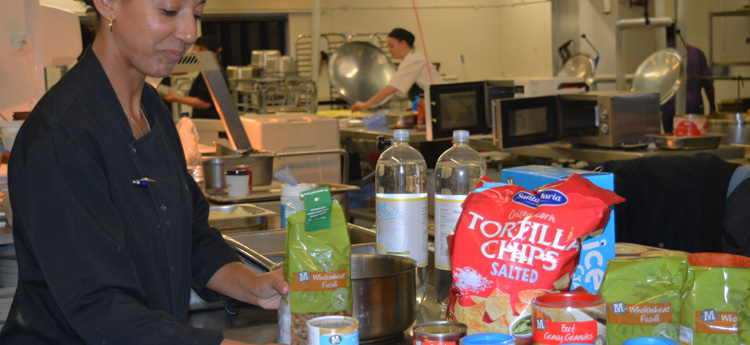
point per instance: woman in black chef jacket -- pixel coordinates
(110, 230)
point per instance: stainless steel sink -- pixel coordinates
(262, 249)
(245, 217)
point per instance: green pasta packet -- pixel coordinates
(715, 305)
(318, 258)
(644, 297)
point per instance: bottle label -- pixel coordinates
(402, 225)
(447, 211)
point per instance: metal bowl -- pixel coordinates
(358, 70)
(581, 66)
(401, 120)
(660, 72)
(384, 291)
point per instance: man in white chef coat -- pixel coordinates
(411, 77)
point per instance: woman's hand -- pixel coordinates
(171, 97)
(359, 106)
(269, 289)
(242, 283)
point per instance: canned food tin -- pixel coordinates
(565, 318)
(333, 330)
(439, 333)
(488, 339)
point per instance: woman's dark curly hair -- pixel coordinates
(92, 22)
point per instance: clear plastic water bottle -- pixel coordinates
(189, 137)
(457, 171)
(401, 205)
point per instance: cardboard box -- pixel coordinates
(595, 251)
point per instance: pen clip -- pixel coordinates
(143, 182)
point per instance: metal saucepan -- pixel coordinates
(384, 289)
(401, 120)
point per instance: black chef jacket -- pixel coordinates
(101, 259)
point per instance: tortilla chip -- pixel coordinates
(458, 312)
(500, 325)
(474, 313)
(521, 308)
(562, 283)
(478, 299)
(526, 296)
(498, 304)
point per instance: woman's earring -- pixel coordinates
(110, 24)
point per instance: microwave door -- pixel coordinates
(525, 121)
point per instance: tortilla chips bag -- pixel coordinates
(317, 265)
(511, 245)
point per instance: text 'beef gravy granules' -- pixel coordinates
(569, 318)
(511, 245)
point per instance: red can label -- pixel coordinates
(554, 333)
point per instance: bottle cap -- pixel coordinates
(401, 135)
(461, 136)
(185, 114)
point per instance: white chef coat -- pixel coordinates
(412, 70)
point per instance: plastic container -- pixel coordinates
(290, 200)
(189, 137)
(401, 205)
(650, 341)
(457, 171)
(488, 339)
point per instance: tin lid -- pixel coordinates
(488, 339)
(334, 324)
(568, 299)
(236, 172)
(440, 328)
(650, 341)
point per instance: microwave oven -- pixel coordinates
(612, 119)
(468, 105)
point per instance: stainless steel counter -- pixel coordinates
(258, 326)
(564, 150)
(365, 134)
